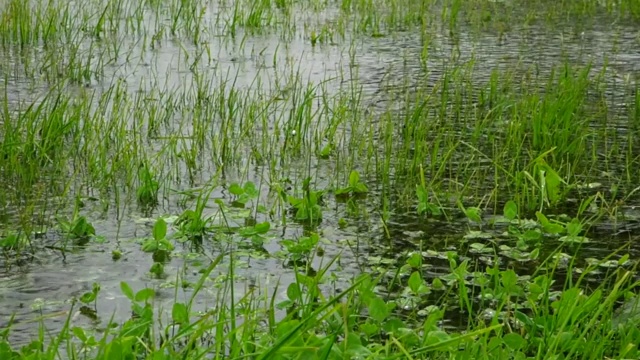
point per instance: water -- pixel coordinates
(383, 67)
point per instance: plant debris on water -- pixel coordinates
(351, 179)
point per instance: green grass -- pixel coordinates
(203, 116)
(530, 318)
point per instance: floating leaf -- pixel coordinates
(478, 248)
(574, 239)
(478, 235)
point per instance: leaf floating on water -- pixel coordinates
(413, 234)
(628, 313)
(600, 263)
(478, 235)
(377, 260)
(427, 310)
(562, 259)
(435, 254)
(574, 239)
(593, 185)
(478, 248)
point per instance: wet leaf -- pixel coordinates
(354, 178)
(510, 210)
(584, 204)
(478, 235)
(360, 188)
(144, 295)
(478, 248)
(326, 151)
(574, 239)
(623, 259)
(88, 297)
(415, 260)
(415, 282)
(236, 189)
(437, 284)
(553, 228)
(79, 333)
(355, 349)
(436, 337)
(509, 278)
(514, 341)
(150, 245)
(473, 214)
(603, 264)
(126, 290)
(574, 227)
(532, 236)
(293, 292)
(535, 254)
(542, 219)
(180, 314)
(263, 227)
(378, 309)
(160, 229)
(369, 328)
(393, 325)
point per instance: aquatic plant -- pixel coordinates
(355, 187)
(307, 208)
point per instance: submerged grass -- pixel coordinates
(89, 117)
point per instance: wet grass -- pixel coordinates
(232, 138)
(526, 319)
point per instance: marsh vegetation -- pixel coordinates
(319, 179)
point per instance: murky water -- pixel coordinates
(381, 66)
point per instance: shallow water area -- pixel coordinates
(208, 100)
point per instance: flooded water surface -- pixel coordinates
(219, 111)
